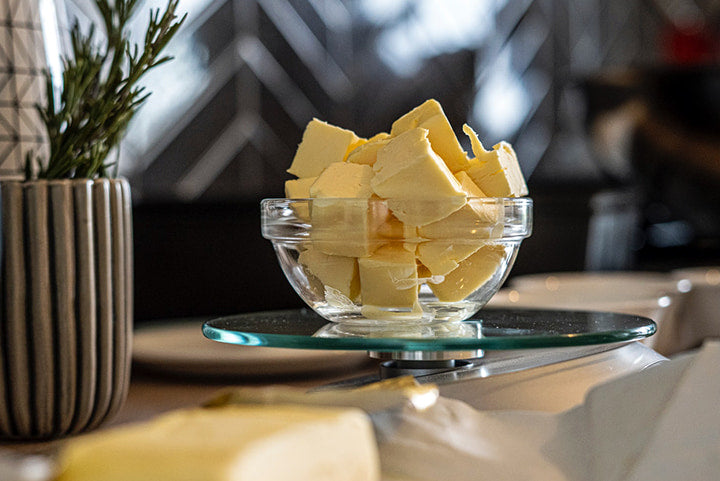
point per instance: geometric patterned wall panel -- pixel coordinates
(265, 67)
(22, 85)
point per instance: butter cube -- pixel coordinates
(234, 443)
(338, 272)
(418, 185)
(442, 257)
(347, 227)
(474, 221)
(490, 216)
(299, 189)
(393, 230)
(461, 233)
(321, 145)
(344, 227)
(343, 180)
(496, 172)
(470, 275)
(343, 221)
(430, 116)
(389, 284)
(367, 152)
(467, 184)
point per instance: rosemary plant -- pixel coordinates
(100, 92)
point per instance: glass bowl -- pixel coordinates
(387, 263)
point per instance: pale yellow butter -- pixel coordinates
(470, 275)
(477, 146)
(388, 279)
(343, 222)
(408, 172)
(442, 257)
(474, 221)
(347, 227)
(429, 211)
(393, 230)
(467, 184)
(337, 272)
(496, 172)
(343, 180)
(487, 216)
(321, 145)
(299, 189)
(234, 443)
(457, 236)
(367, 152)
(430, 116)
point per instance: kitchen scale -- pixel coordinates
(493, 343)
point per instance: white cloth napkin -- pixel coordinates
(662, 423)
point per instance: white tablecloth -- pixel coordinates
(662, 423)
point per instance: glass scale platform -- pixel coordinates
(528, 338)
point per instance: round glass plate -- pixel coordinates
(491, 329)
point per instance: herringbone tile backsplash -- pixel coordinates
(226, 115)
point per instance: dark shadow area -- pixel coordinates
(205, 259)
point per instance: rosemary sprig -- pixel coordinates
(100, 93)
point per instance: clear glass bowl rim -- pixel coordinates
(518, 227)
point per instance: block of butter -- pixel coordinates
(497, 172)
(321, 145)
(233, 443)
(442, 257)
(408, 172)
(454, 238)
(430, 116)
(474, 220)
(300, 189)
(367, 152)
(470, 274)
(388, 279)
(337, 272)
(394, 231)
(342, 220)
(343, 180)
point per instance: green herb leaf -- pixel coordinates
(100, 93)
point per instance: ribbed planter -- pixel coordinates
(65, 305)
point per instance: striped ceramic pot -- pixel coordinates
(65, 305)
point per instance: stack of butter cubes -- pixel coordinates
(397, 210)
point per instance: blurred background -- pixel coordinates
(613, 107)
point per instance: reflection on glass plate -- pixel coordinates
(404, 330)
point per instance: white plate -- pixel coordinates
(700, 317)
(180, 348)
(656, 295)
(654, 308)
(605, 285)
